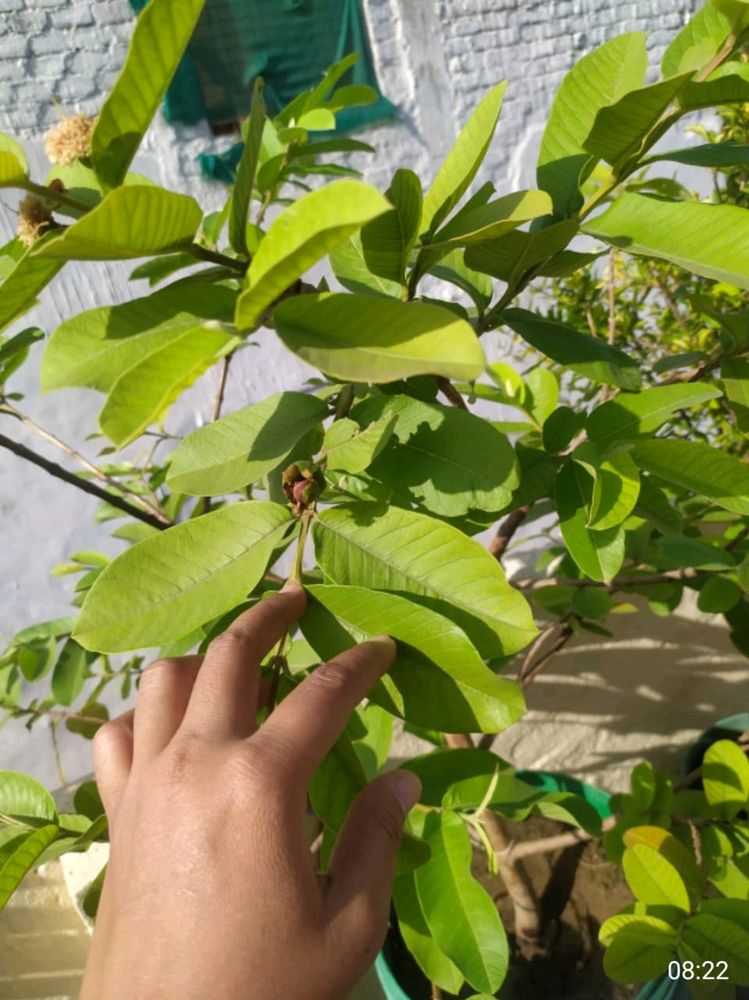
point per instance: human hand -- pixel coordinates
(211, 891)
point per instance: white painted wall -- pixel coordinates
(435, 59)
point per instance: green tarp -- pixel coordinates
(287, 42)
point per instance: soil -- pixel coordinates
(578, 889)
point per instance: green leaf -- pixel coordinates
(158, 42)
(653, 879)
(711, 240)
(336, 783)
(681, 550)
(372, 745)
(13, 352)
(712, 154)
(725, 778)
(629, 416)
(491, 221)
(566, 807)
(301, 235)
(351, 448)
(23, 798)
(509, 256)
(441, 771)
(453, 268)
(616, 486)
(728, 84)
(387, 241)
(446, 459)
(588, 356)
(718, 595)
(599, 554)
(697, 42)
(96, 347)
(142, 395)
(244, 446)
(70, 672)
(463, 160)
(697, 467)
(35, 658)
(660, 840)
(19, 290)
(19, 863)
(735, 377)
(361, 338)
(620, 130)
(590, 602)
(460, 914)
(706, 937)
(641, 949)
(132, 221)
(433, 962)
(350, 268)
(167, 585)
(14, 168)
(598, 79)
(560, 427)
(246, 169)
(437, 680)
(398, 550)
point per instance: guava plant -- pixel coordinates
(377, 477)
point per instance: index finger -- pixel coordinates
(307, 723)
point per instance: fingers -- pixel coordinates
(225, 696)
(113, 756)
(308, 722)
(363, 863)
(163, 696)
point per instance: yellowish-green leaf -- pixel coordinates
(302, 235)
(14, 168)
(158, 42)
(433, 962)
(246, 169)
(142, 395)
(168, 585)
(694, 466)
(725, 776)
(711, 240)
(19, 863)
(599, 554)
(707, 937)
(22, 285)
(351, 448)
(23, 798)
(652, 878)
(640, 949)
(391, 549)
(633, 415)
(463, 160)
(131, 221)
(490, 221)
(362, 338)
(697, 42)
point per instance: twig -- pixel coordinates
(557, 842)
(507, 529)
(611, 337)
(451, 393)
(56, 715)
(533, 670)
(735, 542)
(617, 583)
(82, 484)
(7, 407)
(203, 253)
(436, 992)
(218, 400)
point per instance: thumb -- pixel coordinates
(363, 864)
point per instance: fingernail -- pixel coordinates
(290, 585)
(407, 789)
(386, 640)
(389, 650)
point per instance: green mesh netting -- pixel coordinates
(287, 42)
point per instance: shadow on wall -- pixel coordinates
(648, 692)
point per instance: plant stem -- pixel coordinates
(84, 463)
(218, 401)
(532, 668)
(451, 393)
(615, 584)
(557, 842)
(203, 253)
(60, 197)
(296, 569)
(507, 529)
(82, 484)
(436, 992)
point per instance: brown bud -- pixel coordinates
(306, 492)
(56, 185)
(291, 475)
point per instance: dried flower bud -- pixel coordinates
(34, 217)
(308, 473)
(70, 139)
(291, 475)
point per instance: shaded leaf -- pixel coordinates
(351, 448)
(244, 446)
(246, 169)
(387, 240)
(725, 777)
(23, 798)
(397, 550)
(366, 339)
(641, 949)
(20, 862)
(599, 554)
(629, 416)
(697, 467)
(14, 168)
(697, 42)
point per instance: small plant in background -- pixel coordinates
(629, 439)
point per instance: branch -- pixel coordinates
(82, 484)
(203, 253)
(558, 842)
(218, 401)
(6, 407)
(452, 394)
(617, 583)
(530, 669)
(507, 529)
